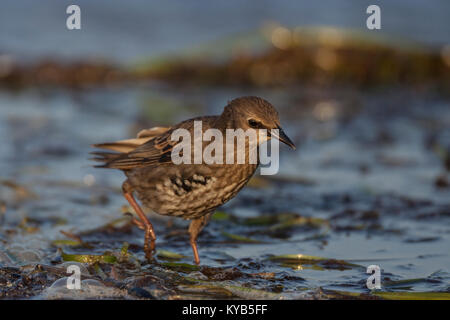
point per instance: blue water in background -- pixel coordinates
(122, 31)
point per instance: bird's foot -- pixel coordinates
(150, 238)
(142, 222)
(149, 242)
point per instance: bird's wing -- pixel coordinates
(156, 150)
(148, 139)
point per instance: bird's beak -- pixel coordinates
(283, 137)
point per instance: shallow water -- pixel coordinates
(365, 168)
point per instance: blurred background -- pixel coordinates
(368, 109)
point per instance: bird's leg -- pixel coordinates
(194, 230)
(135, 221)
(143, 221)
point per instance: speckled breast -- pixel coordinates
(188, 191)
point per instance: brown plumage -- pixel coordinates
(189, 191)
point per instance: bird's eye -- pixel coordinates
(252, 123)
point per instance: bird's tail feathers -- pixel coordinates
(105, 157)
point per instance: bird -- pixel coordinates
(191, 191)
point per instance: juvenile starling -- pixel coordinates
(190, 191)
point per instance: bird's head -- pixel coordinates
(256, 113)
